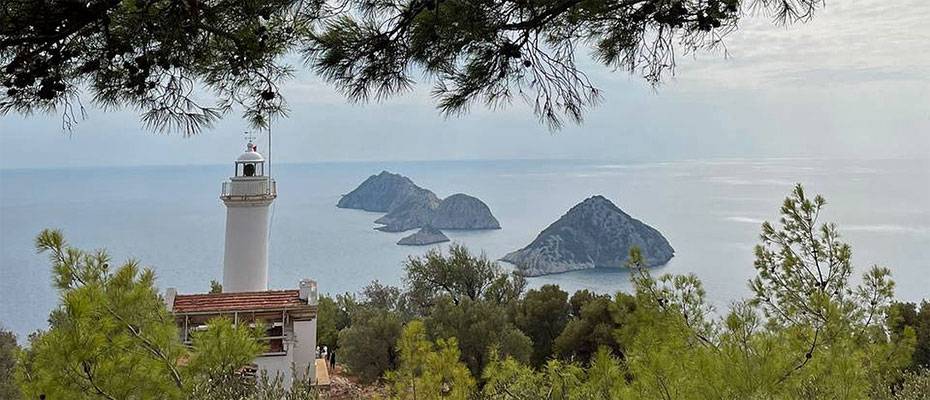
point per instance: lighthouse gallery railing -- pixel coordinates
(243, 188)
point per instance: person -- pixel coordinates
(332, 360)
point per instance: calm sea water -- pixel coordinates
(171, 219)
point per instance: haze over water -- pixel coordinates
(171, 219)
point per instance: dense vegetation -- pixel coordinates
(112, 337)
(907, 318)
(806, 332)
(162, 57)
(463, 328)
(8, 351)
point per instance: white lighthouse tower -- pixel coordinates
(247, 195)
(288, 315)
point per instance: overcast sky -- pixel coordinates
(854, 82)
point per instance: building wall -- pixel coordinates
(301, 353)
(245, 262)
(305, 347)
(277, 365)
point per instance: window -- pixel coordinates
(275, 338)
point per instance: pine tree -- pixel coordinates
(427, 370)
(159, 56)
(112, 337)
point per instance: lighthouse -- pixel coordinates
(248, 194)
(288, 315)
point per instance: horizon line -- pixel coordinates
(459, 160)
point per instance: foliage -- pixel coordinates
(494, 51)
(263, 387)
(579, 299)
(366, 346)
(219, 353)
(468, 297)
(161, 56)
(156, 56)
(594, 327)
(803, 286)
(332, 317)
(460, 296)
(806, 332)
(542, 316)
(216, 287)
(388, 298)
(427, 370)
(460, 276)
(913, 386)
(481, 327)
(112, 337)
(603, 380)
(8, 353)
(906, 319)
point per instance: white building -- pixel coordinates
(289, 315)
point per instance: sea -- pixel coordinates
(171, 219)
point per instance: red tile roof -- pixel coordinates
(239, 301)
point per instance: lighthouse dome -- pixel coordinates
(250, 155)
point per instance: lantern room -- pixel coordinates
(251, 163)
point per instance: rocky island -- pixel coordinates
(413, 212)
(461, 211)
(385, 192)
(408, 206)
(594, 233)
(426, 235)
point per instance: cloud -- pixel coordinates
(853, 82)
(848, 42)
(746, 220)
(888, 229)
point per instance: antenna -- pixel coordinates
(269, 147)
(250, 136)
(273, 206)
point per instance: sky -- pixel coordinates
(852, 83)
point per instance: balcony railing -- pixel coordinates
(249, 188)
